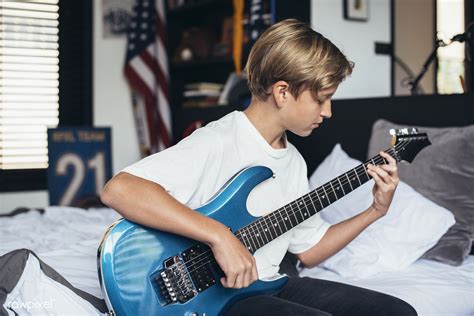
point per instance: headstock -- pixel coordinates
(408, 142)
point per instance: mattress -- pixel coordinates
(67, 239)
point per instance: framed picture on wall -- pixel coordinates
(356, 10)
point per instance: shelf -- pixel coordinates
(183, 117)
(201, 7)
(202, 63)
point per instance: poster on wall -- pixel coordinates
(116, 16)
(79, 164)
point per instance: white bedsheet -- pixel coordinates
(67, 239)
(433, 289)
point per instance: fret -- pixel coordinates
(310, 211)
(334, 191)
(325, 196)
(283, 219)
(306, 208)
(365, 171)
(270, 225)
(276, 223)
(358, 179)
(329, 195)
(287, 221)
(240, 236)
(294, 214)
(245, 235)
(341, 186)
(266, 229)
(254, 237)
(249, 236)
(257, 234)
(317, 195)
(349, 181)
(300, 219)
(373, 162)
(263, 231)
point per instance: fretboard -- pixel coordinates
(273, 225)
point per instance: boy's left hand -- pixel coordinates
(386, 181)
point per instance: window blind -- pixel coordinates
(29, 80)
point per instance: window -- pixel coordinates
(29, 81)
(45, 81)
(450, 21)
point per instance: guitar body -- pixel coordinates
(133, 258)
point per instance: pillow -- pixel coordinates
(412, 225)
(444, 173)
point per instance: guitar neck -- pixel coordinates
(273, 225)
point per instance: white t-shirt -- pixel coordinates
(196, 168)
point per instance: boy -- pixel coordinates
(292, 74)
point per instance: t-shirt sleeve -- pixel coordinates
(308, 233)
(180, 168)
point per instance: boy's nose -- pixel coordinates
(326, 111)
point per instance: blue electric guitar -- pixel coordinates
(149, 272)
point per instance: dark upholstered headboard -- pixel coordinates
(352, 121)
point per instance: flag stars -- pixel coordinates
(144, 26)
(143, 37)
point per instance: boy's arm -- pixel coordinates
(339, 235)
(147, 203)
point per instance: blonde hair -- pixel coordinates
(291, 51)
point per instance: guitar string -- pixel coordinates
(377, 159)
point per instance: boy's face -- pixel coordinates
(306, 113)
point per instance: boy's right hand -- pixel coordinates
(234, 259)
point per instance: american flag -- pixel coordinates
(146, 70)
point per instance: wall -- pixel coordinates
(112, 102)
(371, 76)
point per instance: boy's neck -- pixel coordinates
(265, 119)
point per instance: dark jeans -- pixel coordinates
(307, 296)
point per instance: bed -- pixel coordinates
(66, 238)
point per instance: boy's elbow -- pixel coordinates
(105, 195)
(111, 191)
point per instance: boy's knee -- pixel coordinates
(393, 306)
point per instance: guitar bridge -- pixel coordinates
(173, 284)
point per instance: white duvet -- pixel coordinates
(67, 239)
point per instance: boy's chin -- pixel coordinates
(304, 133)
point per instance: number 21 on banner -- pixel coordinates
(79, 163)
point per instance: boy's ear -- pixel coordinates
(280, 92)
